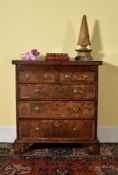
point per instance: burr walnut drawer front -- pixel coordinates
(78, 75)
(57, 91)
(36, 74)
(57, 109)
(37, 129)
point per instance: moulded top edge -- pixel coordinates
(38, 62)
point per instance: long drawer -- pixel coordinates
(57, 109)
(40, 129)
(57, 91)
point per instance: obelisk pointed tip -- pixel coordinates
(83, 39)
(84, 16)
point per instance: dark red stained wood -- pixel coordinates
(56, 102)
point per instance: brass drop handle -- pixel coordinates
(76, 130)
(67, 76)
(38, 91)
(56, 124)
(46, 77)
(76, 91)
(37, 129)
(76, 109)
(37, 108)
(85, 76)
(27, 77)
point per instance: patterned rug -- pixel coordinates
(58, 160)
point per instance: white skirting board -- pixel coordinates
(105, 135)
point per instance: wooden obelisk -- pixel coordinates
(83, 53)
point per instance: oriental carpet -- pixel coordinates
(58, 160)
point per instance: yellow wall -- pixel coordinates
(53, 26)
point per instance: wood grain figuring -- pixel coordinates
(57, 109)
(81, 130)
(56, 102)
(36, 74)
(78, 74)
(57, 91)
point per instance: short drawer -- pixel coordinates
(81, 130)
(57, 109)
(78, 75)
(57, 91)
(36, 74)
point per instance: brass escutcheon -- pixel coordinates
(56, 87)
(56, 124)
(56, 104)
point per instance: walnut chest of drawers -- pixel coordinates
(56, 102)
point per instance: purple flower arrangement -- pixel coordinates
(32, 55)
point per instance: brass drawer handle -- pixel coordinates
(76, 109)
(85, 76)
(67, 76)
(76, 130)
(46, 77)
(38, 91)
(37, 129)
(76, 91)
(56, 124)
(27, 77)
(38, 109)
